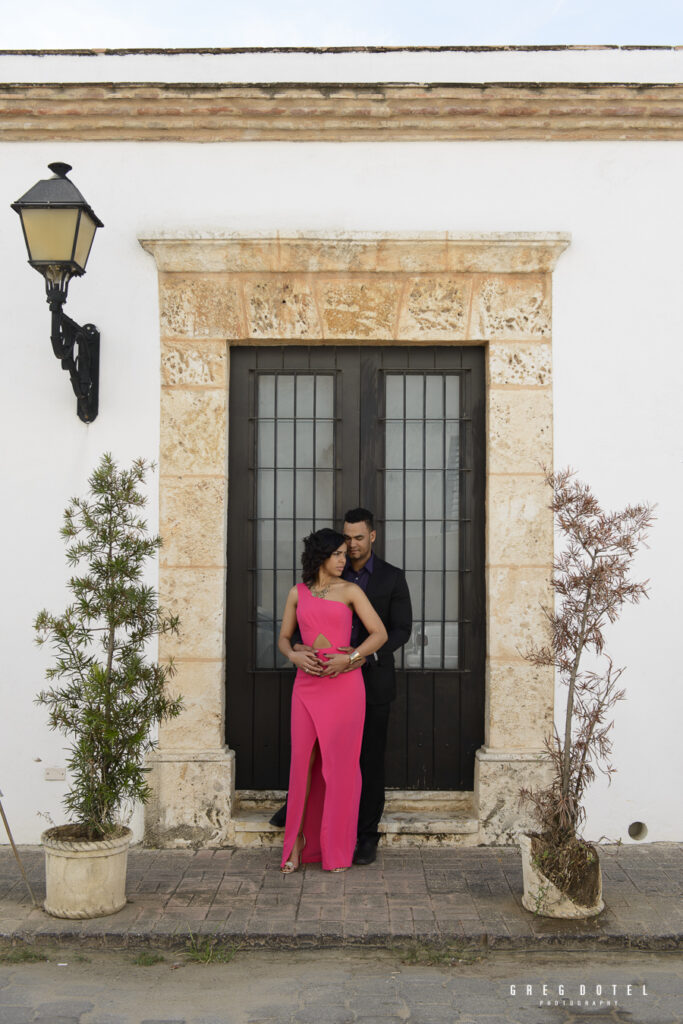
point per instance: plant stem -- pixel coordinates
(566, 754)
(110, 661)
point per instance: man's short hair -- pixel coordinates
(360, 515)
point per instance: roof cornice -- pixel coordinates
(217, 50)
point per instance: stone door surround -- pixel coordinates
(216, 292)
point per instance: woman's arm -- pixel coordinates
(306, 660)
(376, 638)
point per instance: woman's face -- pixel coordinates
(334, 565)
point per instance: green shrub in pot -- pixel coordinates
(106, 692)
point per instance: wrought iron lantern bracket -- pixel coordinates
(78, 348)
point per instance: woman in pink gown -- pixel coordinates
(328, 706)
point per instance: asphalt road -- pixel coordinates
(418, 985)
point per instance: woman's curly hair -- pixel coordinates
(318, 547)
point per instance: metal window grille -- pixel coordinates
(294, 462)
(423, 516)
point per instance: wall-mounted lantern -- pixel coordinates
(59, 227)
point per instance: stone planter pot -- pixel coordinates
(541, 896)
(84, 879)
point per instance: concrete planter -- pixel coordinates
(541, 896)
(84, 879)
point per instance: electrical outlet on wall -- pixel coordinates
(54, 773)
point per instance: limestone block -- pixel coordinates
(337, 253)
(520, 430)
(519, 522)
(192, 799)
(365, 308)
(214, 255)
(281, 307)
(435, 308)
(427, 841)
(193, 431)
(200, 725)
(518, 252)
(200, 306)
(498, 778)
(198, 597)
(185, 362)
(412, 255)
(515, 599)
(511, 306)
(237, 255)
(192, 517)
(519, 363)
(519, 705)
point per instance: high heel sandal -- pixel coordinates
(289, 867)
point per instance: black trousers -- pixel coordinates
(372, 769)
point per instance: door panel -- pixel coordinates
(314, 431)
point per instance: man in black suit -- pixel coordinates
(387, 590)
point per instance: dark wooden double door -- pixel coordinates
(316, 431)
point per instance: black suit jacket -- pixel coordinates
(388, 593)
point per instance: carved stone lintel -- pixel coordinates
(512, 252)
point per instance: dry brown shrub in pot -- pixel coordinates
(591, 583)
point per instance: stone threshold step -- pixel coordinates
(393, 823)
(447, 802)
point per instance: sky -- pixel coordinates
(44, 24)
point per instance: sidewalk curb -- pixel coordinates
(487, 941)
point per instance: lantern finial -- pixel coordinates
(60, 170)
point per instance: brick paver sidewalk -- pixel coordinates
(471, 895)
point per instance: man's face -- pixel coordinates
(359, 540)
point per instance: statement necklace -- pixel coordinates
(320, 593)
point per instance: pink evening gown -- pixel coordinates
(331, 711)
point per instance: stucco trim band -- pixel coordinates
(216, 112)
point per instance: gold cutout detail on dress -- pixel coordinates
(318, 645)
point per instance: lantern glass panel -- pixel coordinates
(86, 233)
(50, 234)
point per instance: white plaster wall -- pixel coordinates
(618, 323)
(449, 65)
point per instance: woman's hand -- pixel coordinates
(335, 664)
(356, 663)
(307, 660)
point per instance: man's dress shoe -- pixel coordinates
(366, 852)
(280, 816)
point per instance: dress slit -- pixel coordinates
(296, 796)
